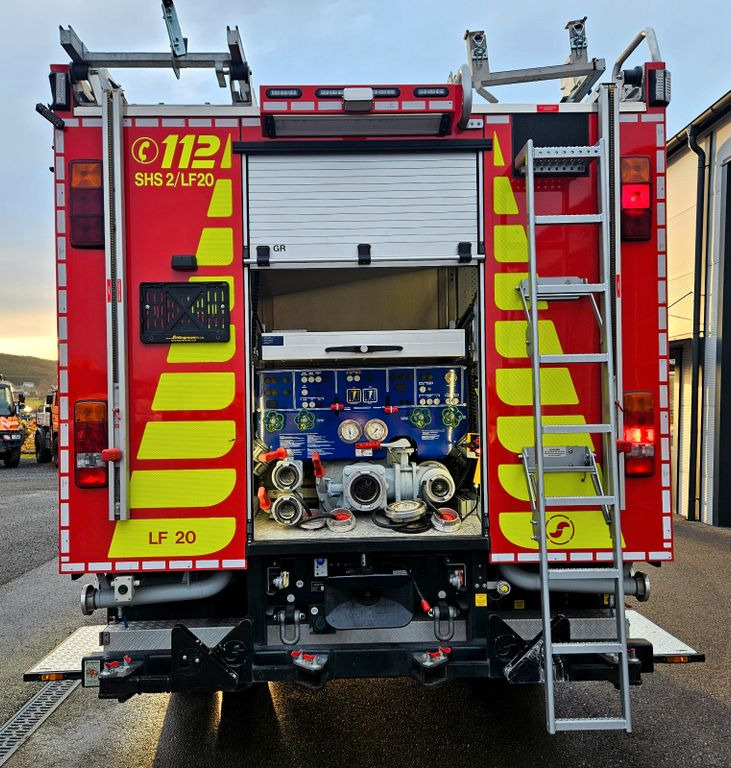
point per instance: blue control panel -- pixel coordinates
(332, 410)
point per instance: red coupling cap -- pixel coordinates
(111, 664)
(280, 453)
(336, 406)
(445, 649)
(308, 656)
(112, 454)
(265, 502)
(425, 606)
(342, 516)
(127, 659)
(317, 465)
(295, 654)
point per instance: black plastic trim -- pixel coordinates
(360, 146)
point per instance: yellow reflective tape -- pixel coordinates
(216, 247)
(503, 199)
(506, 290)
(194, 391)
(171, 537)
(219, 279)
(204, 351)
(512, 479)
(516, 432)
(226, 159)
(187, 439)
(510, 243)
(180, 488)
(221, 204)
(510, 338)
(497, 153)
(567, 529)
(515, 386)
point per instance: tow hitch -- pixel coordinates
(310, 669)
(430, 667)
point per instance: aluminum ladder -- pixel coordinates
(539, 461)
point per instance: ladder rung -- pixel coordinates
(580, 501)
(575, 218)
(570, 429)
(591, 724)
(568, 153)
(577, 574)
(569, 290)
(591, 357)
(587, 646)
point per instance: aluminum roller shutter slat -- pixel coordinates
(324, 206)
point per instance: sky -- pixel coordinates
(299, 41)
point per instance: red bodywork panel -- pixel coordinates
(187, 402)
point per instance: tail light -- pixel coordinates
(636, 198)
(86, 207)
(639, 434)
(90, 439)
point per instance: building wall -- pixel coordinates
(681, 199)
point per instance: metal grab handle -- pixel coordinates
(364, 348)
(648, 34)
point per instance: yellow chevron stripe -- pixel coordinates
(497, 153)
(516, 432)
(180, 488)
(221, 205)
(215, 247)
(510, 243)
(506, 293)
(510, 338)
(187, 439)
(586, 529)
(514, 386)
(204, 351)
(194, 391)
(512, 479)
(171, 537)
(503, 199)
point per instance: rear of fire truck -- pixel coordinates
(363, 381)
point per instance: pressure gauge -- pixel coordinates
(349, 431)
(375, 429)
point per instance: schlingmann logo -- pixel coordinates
(145, 150)
(560, 529)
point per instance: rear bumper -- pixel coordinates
(232, 660)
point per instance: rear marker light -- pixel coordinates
(90, 440)
(636, 198)
(639, 434)
(86, 208)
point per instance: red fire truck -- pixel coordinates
(363, 381)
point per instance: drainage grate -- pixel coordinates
(31, 715)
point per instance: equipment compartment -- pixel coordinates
(359, 433)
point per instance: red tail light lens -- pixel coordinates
(90, 439)
(86, 204)
(636, 198)
(639, 434)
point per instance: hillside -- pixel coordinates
(19, 368)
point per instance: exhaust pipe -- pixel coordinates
(634, 584)
(104, 596)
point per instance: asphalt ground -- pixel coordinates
(682, 713)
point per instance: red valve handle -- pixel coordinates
(317, 465)
(264, 501)
(280, 453)
(337, 406)
(374, 444)
(390, 408)
(112, 454)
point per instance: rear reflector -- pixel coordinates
(639, 434)
(636, 198)
(90, 439)
(86, 208)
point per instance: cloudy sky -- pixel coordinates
(302, 41)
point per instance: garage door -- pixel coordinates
(323, 206)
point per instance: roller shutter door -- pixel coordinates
(323, 206)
